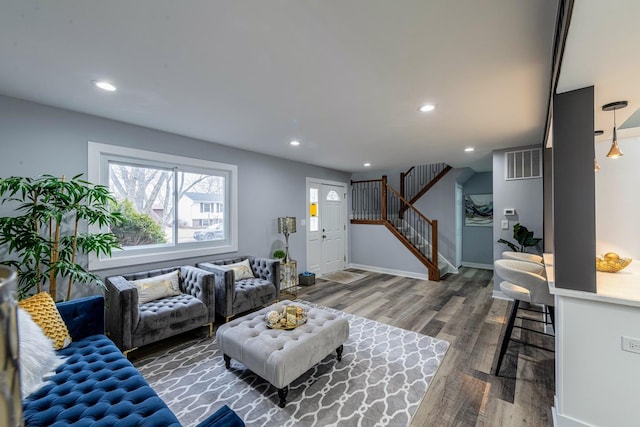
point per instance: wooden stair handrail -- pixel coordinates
(366, 180)
(426, 188)
(410, 205)
(432, 268)
(434, 228)
(385, 189)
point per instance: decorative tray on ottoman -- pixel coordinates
(289, 317)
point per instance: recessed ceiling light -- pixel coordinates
(366, 165)
(104, 85)
(426, 107)
(468, 149)
(295, 143)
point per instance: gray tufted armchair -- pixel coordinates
(131, 325)
(237, 296)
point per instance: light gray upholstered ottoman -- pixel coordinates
(281, 356)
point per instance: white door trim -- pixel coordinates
(346, 211)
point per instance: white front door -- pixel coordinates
(327, 226)
(333, 227)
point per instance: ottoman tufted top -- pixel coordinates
(281, 356)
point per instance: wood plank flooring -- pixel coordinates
(461, 310)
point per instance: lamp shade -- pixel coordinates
(615, 151)
(287, 224)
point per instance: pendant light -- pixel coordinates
(614, 151)
(596, 166)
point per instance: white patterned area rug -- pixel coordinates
(383, 376)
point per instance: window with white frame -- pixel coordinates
(174, 207)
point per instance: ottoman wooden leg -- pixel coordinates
(227, 361)
(282, 394)
(339, 351)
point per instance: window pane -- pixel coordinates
(333, 196)
(511, 165)
(527, 163)
(313, 195)
(144, 196)
(201, 214)
(518, 164)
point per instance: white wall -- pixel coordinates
(440, 203)
(37, 139)
(597, 382)
(618, 200)
(374, 245)
(524, 195)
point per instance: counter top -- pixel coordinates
(622, 287)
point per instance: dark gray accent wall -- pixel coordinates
(477, 242)
(37, 139)
(574, 190)
(548, 200)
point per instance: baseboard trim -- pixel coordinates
(477, 265)
(562, 421)
(410, 274)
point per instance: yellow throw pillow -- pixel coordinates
(241, 270)
(157, 287)
(44, 312)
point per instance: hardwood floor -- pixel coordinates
(461, 310)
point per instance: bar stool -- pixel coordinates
(522, 256)
(522, 281)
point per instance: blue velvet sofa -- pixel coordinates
(97, 385)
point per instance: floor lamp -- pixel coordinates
(286, 226)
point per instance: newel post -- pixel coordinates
(384, 197)
(434, 241)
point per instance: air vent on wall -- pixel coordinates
(523, 164)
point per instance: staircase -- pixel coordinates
(376, 202)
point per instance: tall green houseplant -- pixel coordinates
(45, 236)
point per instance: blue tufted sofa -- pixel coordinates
(97, 385)
(232, 296)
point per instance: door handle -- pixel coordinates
(324, 237)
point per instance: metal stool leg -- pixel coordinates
(507, 334)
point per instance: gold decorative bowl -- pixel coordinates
(611, 263)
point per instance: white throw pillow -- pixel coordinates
(241, 270)
(38, 360)
(152, 288)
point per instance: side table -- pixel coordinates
(289, 279)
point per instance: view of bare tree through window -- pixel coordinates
(147, 197)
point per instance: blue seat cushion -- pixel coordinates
(223, 417)
(96, 386)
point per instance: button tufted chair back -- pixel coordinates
(130, 324)
(237, 296)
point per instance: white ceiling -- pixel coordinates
(602, 51)
(343, 77)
